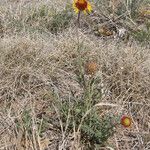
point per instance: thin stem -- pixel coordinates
(78, 26)
(78, 20)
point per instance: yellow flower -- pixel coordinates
(82, 5)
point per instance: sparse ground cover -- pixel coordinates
(71, 86)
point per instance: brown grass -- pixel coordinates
(39, 68)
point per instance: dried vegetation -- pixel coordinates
(63, 87)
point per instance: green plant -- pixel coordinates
(61, 20)
(143, 36)
(94, 129)
(37, 13)
(97, 130)
(40, 19)
(25, 122)
(84, 116)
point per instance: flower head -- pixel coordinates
(126, 121)
(82, 5)
(91, 68)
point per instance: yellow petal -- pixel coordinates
(89, 7)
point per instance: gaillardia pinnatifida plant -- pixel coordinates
(82, 5)
(126, 121)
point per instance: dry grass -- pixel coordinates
(39, 69)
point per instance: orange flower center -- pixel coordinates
(81, 5)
